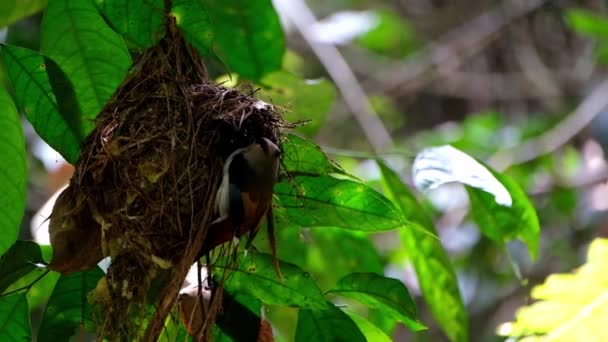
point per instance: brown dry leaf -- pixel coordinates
(75, 236)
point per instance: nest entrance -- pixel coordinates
(145, 183)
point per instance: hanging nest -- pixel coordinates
(145, 183)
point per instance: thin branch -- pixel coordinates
(503, 86)
(338, 69)
(537, 73)
(492, 85)
(593, 104)
(451, 50)
(579, 182)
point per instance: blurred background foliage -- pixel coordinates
(518, 84)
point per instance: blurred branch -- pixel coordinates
(585, 180)
(298, 12)
(563, 132)
(452, 49)
(467, 84)
(539, 76)
(492, 85)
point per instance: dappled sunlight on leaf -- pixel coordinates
(328, 201)
(379, 292)
(570, 307)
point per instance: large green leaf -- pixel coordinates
(46, 96)
(324, 248)
(13, 172)
(248, 36)
(570, 307)
(255, 275)
(436, 276)
(18, 270)
(245, 35)
(342, 251)
(385, 294)
(14, 318)
(93, 56)
(141, 22)
(304, 157)
(370, 331)
(68, 306)
(193, 21)
(18, 261)
(327, 325)
(39, 284)
(502, 223)
(14, 10)
(327, 201)
(302, 99)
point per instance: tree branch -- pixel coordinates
(338, 69)
(451, 50)
(592, 105)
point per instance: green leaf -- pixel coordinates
(588, 23)
(570, 307)
(15, 10)
(328, 325)
(246, 35)
(356, 253)
(382, 293)
(17, 271)
(41, 290)
(254, 275)
(193, 21)
(327, 201)
(370, 331)
(174, 329)
(14, 318)
(46, 96)
(303, 156)
(436, 275)
(392, 36)
(502, 223)
(93, 56)
(141, 22)
(68, 306)
(18, 261)
(303, 99)
(13, 172)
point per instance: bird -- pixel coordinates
(245, 195)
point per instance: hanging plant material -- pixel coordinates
(145, 184)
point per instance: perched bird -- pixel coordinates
(245, 196)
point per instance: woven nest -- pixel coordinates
(147, 176)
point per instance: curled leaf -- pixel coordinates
(444, 164)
